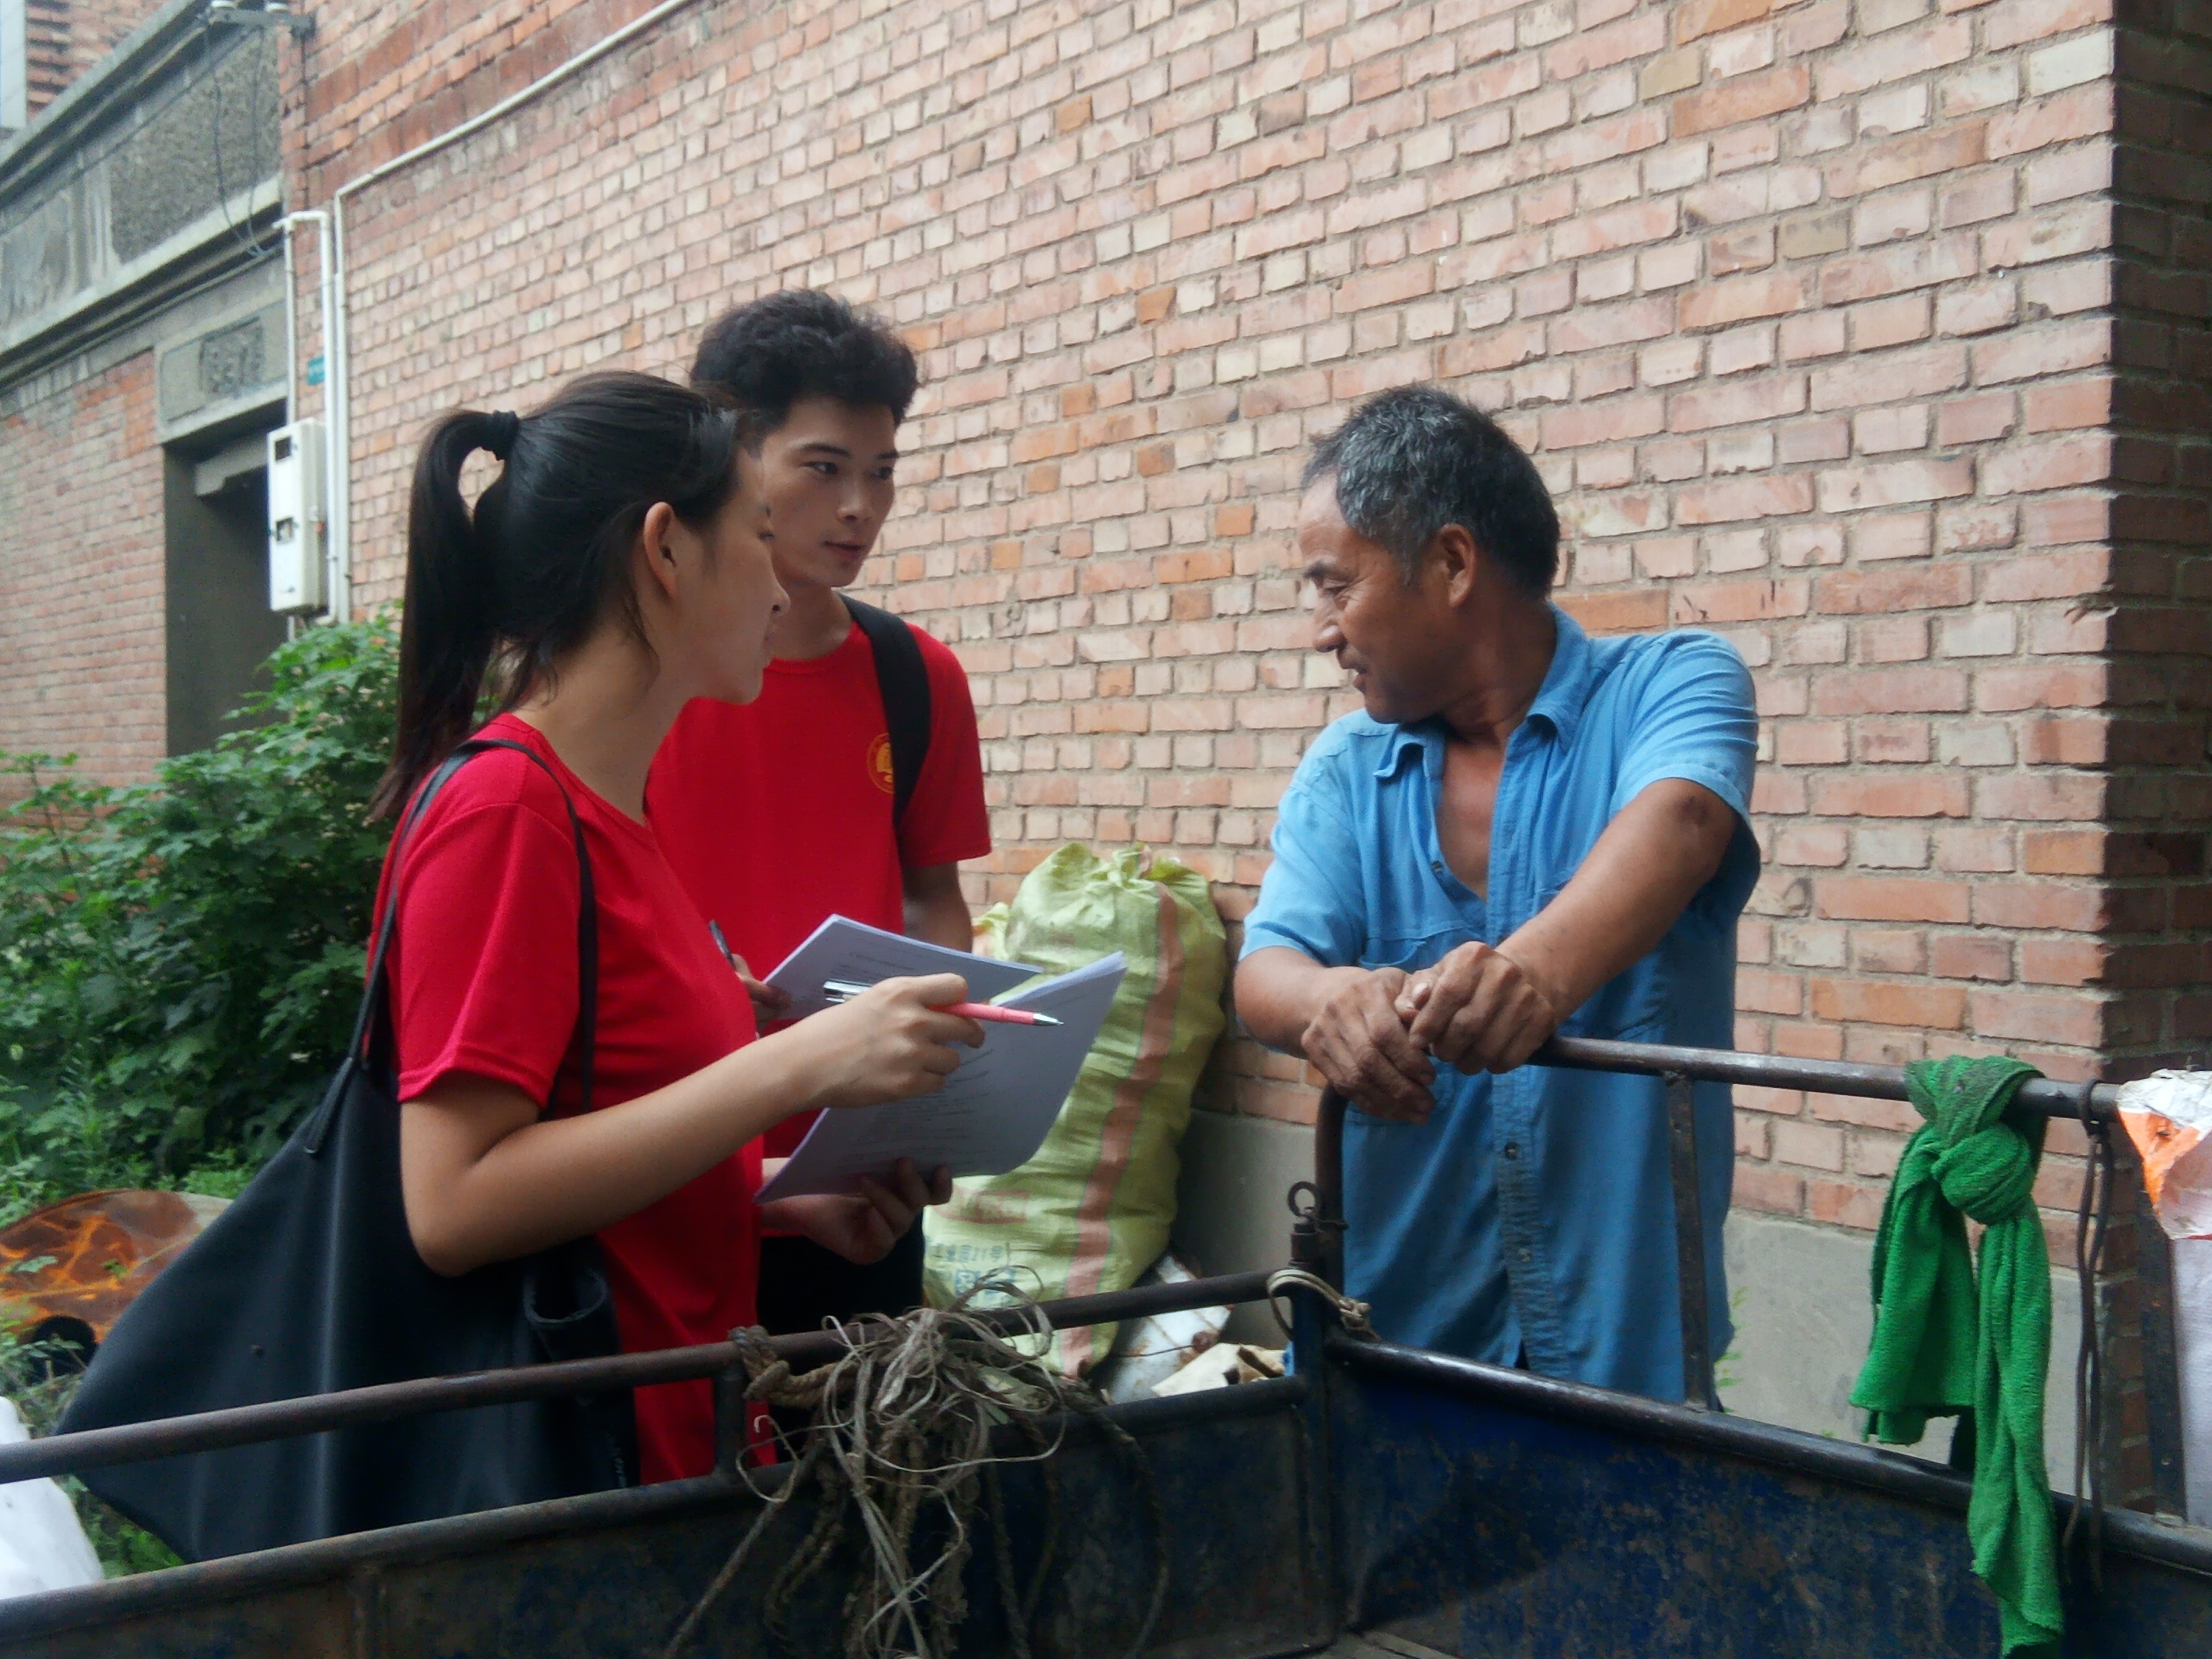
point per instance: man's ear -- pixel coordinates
(656, 548)
(1458, 560)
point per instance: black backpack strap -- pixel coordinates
(376, 991)
(904, 680)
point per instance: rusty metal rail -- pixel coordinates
(279, 1420)
(314, 1414)
(1681, 1069)
(2089, 1102)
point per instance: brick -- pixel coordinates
(1616, 613)
(1847, 489)
(1843, 1203)
(1746, 98)
(1892, 798)
(1812, 1145)
(1764, 497)
(1776, 1192)
(1697, 18)
(2083, 112)
(1937, 1007)
(1921, 156)
(1890, 898)
(1765, 295)
(1892, 691)
(1970, 957)
(1878, 593)
(2076, 1021)
(1669, 72)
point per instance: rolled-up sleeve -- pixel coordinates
(1695, 719)
(1309, 898)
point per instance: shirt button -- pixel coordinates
(1526, 1257)
(1437, 865)
(1512, 1149)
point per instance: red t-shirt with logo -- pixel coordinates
(483, 979)
(777, 814)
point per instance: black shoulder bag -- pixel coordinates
(904, 680)
(310, 1282)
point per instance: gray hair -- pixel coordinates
(1410, 461)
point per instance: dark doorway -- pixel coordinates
(216, 503)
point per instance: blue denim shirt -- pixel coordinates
(1532, 1209)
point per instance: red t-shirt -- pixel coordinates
(483, 978)
(777, 814)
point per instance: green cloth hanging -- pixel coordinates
(1943, 1347)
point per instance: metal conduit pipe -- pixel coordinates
(335, 345)
(326, 286)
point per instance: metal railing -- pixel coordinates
(1315, 1242)
(279, 1420)
(1318, 1238)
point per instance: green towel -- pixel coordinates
(1941, 1348)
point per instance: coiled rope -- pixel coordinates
(903, 1432)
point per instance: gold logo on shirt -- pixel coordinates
(879, 762)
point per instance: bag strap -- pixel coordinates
(376, 991)
(902, 677)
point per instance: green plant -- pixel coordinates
(39, 1378)
(179, 961)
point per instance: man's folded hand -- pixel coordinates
(1359, 1042)
(1477, 1010)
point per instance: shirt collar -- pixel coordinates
(1566, 689)
(1559, 702)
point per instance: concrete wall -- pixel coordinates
(165, 171)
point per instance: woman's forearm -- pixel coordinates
(486, 1179)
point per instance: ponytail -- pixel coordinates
(528, 575)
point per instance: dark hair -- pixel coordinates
(805, 344)
(1413, 460)
(528, 574)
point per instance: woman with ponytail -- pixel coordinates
(616, 567)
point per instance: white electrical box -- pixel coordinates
(298, 519)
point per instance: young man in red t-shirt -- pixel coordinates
(778, 813)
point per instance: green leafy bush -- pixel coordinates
(41, 1377)
(180, 961)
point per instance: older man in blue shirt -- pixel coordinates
(1526, 831)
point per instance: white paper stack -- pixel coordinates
(994, 1112)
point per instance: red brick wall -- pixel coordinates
(1811, 314)
(81, 625)
(65, 38)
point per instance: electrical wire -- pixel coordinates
(248, 236)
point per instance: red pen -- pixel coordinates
(840, 990)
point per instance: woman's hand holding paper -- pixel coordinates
(863, 1225)
(892, 1042)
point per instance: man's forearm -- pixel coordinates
(1344, 1021)
(1637, 881)
(1279, 991)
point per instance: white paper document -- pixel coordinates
(842, 948)
(991, 1114)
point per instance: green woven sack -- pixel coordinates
(1091, 1211)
